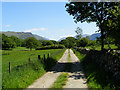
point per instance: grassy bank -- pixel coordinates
(96, 76)
(24, 73)
(98, 47)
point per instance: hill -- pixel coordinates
(94, 36)
(23, 35)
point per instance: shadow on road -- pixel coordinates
(70, 67)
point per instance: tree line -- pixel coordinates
(70, 42)
(10, 42)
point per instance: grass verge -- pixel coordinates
(96, 76)
(98, 47)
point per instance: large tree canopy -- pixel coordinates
(92, 12)
(69, 42)
(113, 26)
(32, 42)
(7, 42)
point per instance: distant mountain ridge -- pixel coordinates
(94, 36)
(24, 35)
(91, 37)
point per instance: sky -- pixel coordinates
(47, 19)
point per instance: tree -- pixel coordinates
(49, 43)
(16, 40)
(79, 32)
(69, 42)
(91, 43)
(54, 42)
(82, 42)
(65, 42)
(32, 42)
(7, 42)
(113, 25)
(92, 12)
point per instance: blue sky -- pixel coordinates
(47, 19)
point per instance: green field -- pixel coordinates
(24, 73)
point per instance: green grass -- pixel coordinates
(98, 47)
(21, 48)
(96, 76)
(62, 79)
(23, 73)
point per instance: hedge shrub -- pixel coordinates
(51, 47)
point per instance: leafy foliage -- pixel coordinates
(82, 42)
(46, 42)
(16, 40)
(51, 47)
(79, 32)
(31, 42)
(113, 25)
(69, 42)
(92, 12)
(7, 42)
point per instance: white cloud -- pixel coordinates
(35, 29)
(66, 36)
(7, 25)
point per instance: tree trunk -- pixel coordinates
(102, 39)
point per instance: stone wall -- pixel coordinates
(108, 60)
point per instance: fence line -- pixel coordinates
(43, 60)
(29, 61)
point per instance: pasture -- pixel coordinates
(23, 72)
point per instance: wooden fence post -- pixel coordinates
(9, 67)
(29, 60)
(48, 56)
(38, 57)
(44, 57)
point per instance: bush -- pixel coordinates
(91, 43)
(51, 47)
(82, 42)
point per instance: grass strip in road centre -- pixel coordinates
(61, 81)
